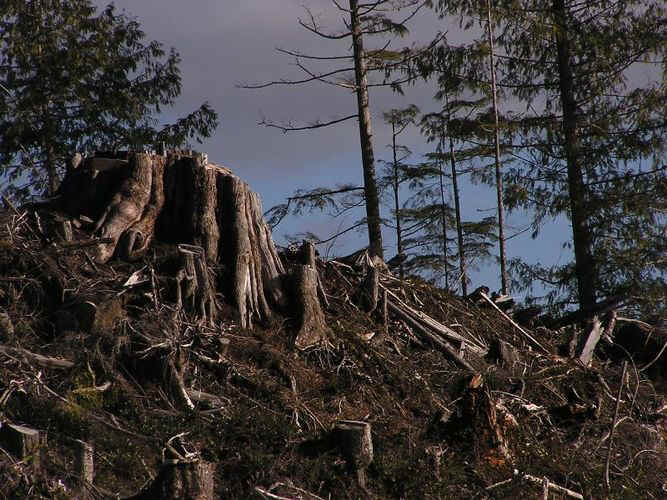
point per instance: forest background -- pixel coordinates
(224, 44)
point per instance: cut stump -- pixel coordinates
(181, 480)
(356, 445)
(181, 198)
(21, 442)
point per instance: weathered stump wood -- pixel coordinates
(21, 442)
(138, 237)
(181, 198)
(369, 290)
(181, 480)
(126, 206)
(176, 368)
(194, 290)
(312, 328)
(85, 465)
(503, 354)
(586, 348)
(6, 326)
(356, 444)
(487, 422)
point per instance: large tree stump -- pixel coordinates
(181, 198)
(126, 206)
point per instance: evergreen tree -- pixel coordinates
(461, 131)
(362, 21)
(395, 171)
(74, 80)
(590, 141)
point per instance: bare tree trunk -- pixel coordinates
(366, 135)
(443, 214)
(397, 206)
(499, 178)
(457, 205)
(584, 264)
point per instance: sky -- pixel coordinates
(227, 43)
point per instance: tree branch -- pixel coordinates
(287, 128)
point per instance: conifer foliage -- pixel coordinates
(74, 79)
(588, 131)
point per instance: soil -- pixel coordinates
(264, 411)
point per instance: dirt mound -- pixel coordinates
(130, 392)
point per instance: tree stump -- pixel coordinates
(181, 480)
(503, 354)
(181, 198)
(356, 445)
(22, 442)
(85, 465)
(312, 328)
(194, 291)
(369, 290)
(6, 326)
(587, 344)
(487, 422)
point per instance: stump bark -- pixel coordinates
(21, 442)
(356, 444)
(305, 285)
(181, 480)
(181, 198)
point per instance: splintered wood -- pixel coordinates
(432, 331)
(181, 198)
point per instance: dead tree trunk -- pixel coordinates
(305, 284)
(181, 198)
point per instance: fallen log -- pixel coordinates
(430, 336)
(513, 323)
(541, 481)
(434, 325)
(39, 359)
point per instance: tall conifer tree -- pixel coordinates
(73, 79)
(589, 129)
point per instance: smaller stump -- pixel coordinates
(181, 480)
(21, 442)
(356, 444)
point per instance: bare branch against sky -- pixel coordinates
(226, 43)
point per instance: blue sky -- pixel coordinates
(226, 43)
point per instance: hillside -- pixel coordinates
(168, 393)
